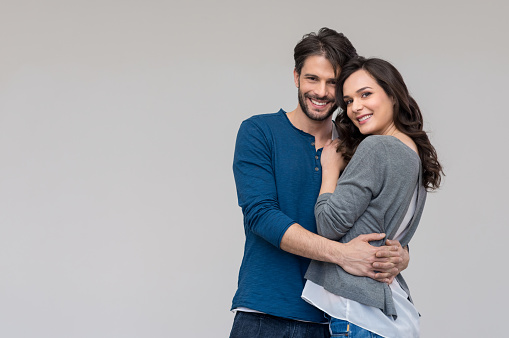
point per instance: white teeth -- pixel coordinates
(319, 103)
(364, 118)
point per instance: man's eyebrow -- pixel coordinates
(314, 75)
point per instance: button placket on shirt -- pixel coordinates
(317, 158)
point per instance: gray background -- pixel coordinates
(118, 120)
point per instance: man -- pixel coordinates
(278, 176)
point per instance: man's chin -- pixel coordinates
(320, 115)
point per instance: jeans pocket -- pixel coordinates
(339, 328)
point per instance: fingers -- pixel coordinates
(386, 276)
(385, 266)
(382, 275)
(391, 242)
(382, 278)
(371, 237)
(332, 143)
(394, 260)
(388, 252)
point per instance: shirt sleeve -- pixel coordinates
(362, 179)
(256, 184)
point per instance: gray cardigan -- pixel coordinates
(372, 195)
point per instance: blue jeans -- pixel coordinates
(251, 325)
(342, 328)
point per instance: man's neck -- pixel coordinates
(321, 130)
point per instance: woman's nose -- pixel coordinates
(356, 106)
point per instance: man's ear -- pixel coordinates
(296, 77)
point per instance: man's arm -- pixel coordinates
(257, 196)
(256, 185)
(356, 257)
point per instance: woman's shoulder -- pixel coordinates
(375, 142)
(384, 141)
(385, 147)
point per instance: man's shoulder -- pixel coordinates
(268, 123)
(267, 118)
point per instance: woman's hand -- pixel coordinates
(331, 160)
(390, 261)
(332, 164)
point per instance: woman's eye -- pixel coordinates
(347, 102)
(365, 94)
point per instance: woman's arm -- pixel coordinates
(332, 220)
(341, 203)
(332, 164)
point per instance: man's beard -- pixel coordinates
(314, 117)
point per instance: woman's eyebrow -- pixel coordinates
(363, 88)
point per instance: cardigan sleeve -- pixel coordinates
(256, 187)
(361, 180)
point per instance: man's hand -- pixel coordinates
(357, 257)
(390, 261)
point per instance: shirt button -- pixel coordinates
(316, 169)
(316, 157)
(312, 143)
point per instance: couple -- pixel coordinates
(287, 171)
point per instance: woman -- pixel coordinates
(389, 164)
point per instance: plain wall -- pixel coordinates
(118, 210)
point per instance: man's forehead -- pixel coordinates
(313, 61)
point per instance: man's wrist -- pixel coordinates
(335, 253)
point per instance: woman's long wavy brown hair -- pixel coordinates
(407, 116)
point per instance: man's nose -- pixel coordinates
(321, 89)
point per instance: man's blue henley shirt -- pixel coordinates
(278, 176)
